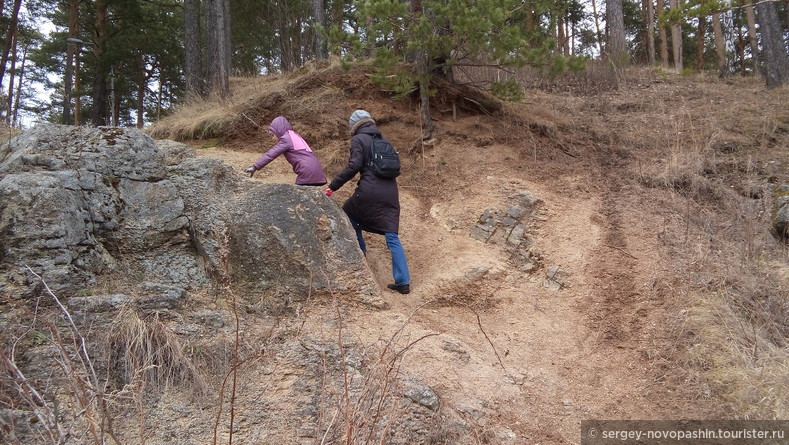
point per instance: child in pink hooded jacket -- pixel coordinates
(305, 164)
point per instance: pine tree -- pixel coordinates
(413, 43)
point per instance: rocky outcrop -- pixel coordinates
(509, 229)
(781, 213)
(81, 204)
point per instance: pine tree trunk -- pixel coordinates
(20, 84)
(751, 18)
(572, 32)
(100, 85)
(424, 95)
(720, 44)
(115, 101)
(320, 20)
(300, 48)
(560, 36)
(740, 48)
(529, 21)
(142, 83)
(662, 36)
(649, 31)
(285, 62)
(423, 71)
(776, 60)
(9, 38)
(11, 73)
(617, 45)
(159, 99)
(192, 65)
(227, 46)
(218, 16)
(71, 49)
(702, 30)
(676, 40)
(77, 86)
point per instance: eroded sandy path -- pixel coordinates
(524, 361)
(537, 361)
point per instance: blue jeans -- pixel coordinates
(399, 263)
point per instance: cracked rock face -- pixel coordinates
(80, 203)
(509, 228)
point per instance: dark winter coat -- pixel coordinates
(375, 203)
(306, 166)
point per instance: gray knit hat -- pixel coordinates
(357, 116)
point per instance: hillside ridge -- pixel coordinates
(635, 185)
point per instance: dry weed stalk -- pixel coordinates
(738, 355)
(732, 337)
(85, 393)
(367, 407)
(236, 360)
(35, 401)
(149, 350)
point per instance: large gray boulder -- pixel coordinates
(80, 206)
(288, 237)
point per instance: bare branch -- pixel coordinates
(36, 402)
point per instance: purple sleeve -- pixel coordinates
(283, 145)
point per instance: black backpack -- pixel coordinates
(384, 160)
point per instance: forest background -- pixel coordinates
(128, 62)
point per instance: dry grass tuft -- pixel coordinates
(737, 351)
(148, 351)
(251, 104)
(710, 152)
(213, 117)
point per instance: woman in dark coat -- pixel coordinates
(375, 204)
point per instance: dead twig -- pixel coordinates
(479, 324)
(621, 250)
(86, 388)
(250, 119)
(36, 402)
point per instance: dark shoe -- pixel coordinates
(402, 288)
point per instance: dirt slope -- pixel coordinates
(521, 359)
